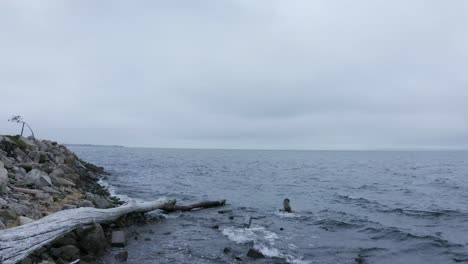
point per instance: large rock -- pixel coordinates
(6, 161)
(3, 174)
(59, 172)
(21, 156)
(61, 181)
(101, 202)
(38, 178)
(92, 239)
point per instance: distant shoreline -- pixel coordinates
(92, 145)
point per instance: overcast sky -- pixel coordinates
(238, 73)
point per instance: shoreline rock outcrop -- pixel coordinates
(40, 177)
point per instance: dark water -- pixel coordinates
(351, 207)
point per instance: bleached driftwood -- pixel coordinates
(18, 242)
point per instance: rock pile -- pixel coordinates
(40, 177)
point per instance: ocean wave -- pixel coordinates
(422, 213)
(393, 233)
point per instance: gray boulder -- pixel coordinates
(6, 161)
(61, 181)
(3, 174)
(38, 178)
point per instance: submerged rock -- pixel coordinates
(122, 256)
(255, 254)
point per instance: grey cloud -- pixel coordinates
(238, 74)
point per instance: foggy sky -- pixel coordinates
(373, 74)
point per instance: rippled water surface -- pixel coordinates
(350, 207)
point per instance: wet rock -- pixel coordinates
(92, 239)
(68, 252)
(227, 250)
(2, 225)
(255, 254)
(121, 256)
(3, 174)
(215, 227)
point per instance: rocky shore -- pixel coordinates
(40, 177)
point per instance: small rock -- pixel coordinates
(86, 203)
(215, 227)
(227, 250)
(26, 261)
(68, 206)
(122, 256)
(231, 217)
(68, 252)
(255, 254)
(118, 239)
(247, 221)
(147, 239)
(101, 202)
(68, 239)
(23, 220)
(224, 211)
(48, 189)
(8, 217)
(61, 181)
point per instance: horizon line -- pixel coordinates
(422, 149)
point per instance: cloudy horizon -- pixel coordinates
(238, 74)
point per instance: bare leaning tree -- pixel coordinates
(18, 119)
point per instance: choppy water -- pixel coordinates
(351, 207)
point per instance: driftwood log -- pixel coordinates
(19, 242)
(184, 208)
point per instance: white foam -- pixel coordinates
(113, 192)
(263, 240)
(287, 215)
